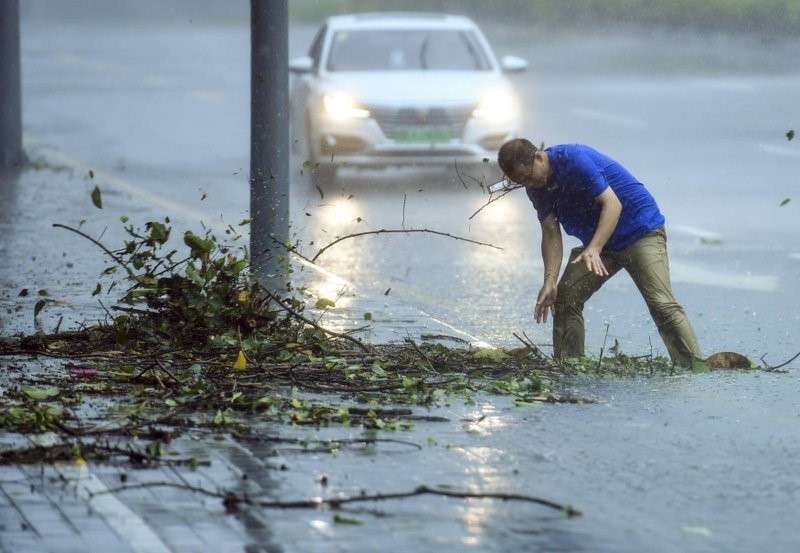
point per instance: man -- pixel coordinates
(598, 201)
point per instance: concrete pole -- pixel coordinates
(269, 142)
(10, 88)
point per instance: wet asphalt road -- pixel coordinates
(700, 463)
(705, 134)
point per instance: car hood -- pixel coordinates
(417, 87)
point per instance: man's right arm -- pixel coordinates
(552, 253)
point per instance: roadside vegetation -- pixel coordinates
(764, 17)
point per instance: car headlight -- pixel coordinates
(340, 105)
(497, 106)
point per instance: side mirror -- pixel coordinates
(513, 64)
(301, 65)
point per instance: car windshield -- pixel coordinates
(407, 50)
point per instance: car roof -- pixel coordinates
(394, 20)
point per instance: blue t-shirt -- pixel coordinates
(578, 175)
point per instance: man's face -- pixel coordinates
(533, 175)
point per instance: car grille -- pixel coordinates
(452, 118)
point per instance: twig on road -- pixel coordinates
(232, 500)
(396, 231)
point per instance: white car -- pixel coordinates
(410, 89)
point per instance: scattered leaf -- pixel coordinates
(785, 201)
(97, 198)
(324, 303)
(38, 307)
(97, 289)
(790, 135)
(340, 519)
(496, 355)
(241, 362)
(698, 531)
(367, 316)
(40, 394)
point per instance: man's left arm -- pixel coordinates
(610, 210)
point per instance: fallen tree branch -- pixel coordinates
(491, 200)
(232, 500)
(97, 243)
(398, 231)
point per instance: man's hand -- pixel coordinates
(591, 257)
(545, 302)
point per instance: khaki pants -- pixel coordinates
(647, 262)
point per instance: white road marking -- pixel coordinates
(786, 151)
(128, 525)
(122, 185)
(703, 234)
(685, 272)
(618, 120)
(693, 274)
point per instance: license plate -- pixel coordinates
(425, 135)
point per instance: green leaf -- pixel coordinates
(495, 355)
(159, 232)
(97, 198)
(785, 201)
(340, 519)
(198, 245)
(38, 307)
(324, 303)
(97, 289)
(367, 316)
(790, 135)
(698, 531)
(377, 369)
(38, 394)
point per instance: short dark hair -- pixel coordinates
(514, 152)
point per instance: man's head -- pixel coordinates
(523, 163)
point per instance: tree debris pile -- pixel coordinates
(196, 344)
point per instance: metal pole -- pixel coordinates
(269, 142)
(10, 88)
